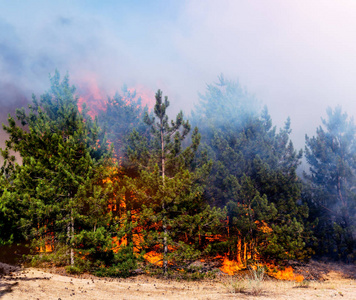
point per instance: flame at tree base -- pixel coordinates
(232, 267)
(284, 274)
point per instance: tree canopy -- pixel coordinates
(254, 172)
(59, 191)
(331, 194)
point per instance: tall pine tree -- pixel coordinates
(173, 215)
(253, 174)
(331, 195)
(59, 189)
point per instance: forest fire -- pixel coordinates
(47, 248)
(230, 267)
(244, 251)
(139, 208)
(136, 162)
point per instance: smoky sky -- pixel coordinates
(296, 57)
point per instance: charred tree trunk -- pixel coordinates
(72, 236)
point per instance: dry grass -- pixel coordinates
(303, 284)
(251, 284)
(236, 285)
(37, 284)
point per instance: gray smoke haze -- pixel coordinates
(297, 57)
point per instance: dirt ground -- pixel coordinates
(335, 282)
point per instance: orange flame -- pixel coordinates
(47, 248)
(230, 267)
(284, 274)
(154, 258)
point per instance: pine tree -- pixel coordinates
(253, 174)
(123, 114)
(332, 198)
(58, 190)
(173, 213)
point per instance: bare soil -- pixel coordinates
(334, 281)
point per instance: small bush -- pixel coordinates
(123, 263)
(73, 270)
(236, 285)
(119, 270)
(59, 257)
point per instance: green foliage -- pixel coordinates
(58, 257)
(173, 213)
(253, 173)
(73, 270)
(58, 190)
(95, 247)
(330, 194)
(123, 264)
(175, 187)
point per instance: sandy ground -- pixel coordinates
(31, 283)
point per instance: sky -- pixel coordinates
(296, 57)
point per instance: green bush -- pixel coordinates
(73, 270)
(124, 262)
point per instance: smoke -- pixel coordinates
(295, 57)
(31, 48)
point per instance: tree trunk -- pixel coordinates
(129, 235)
(165, 246)
(71, 237)
(164, 221)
